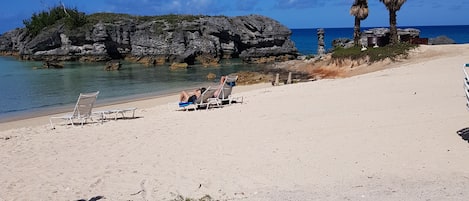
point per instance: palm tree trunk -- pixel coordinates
(356, 32)
(393, 27)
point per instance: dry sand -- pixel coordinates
(386, 135)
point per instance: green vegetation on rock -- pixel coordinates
(374, 54)
(73, 19)
(68, 16)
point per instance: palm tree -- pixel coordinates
(359, 9)
(393, 6)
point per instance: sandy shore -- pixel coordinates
(386, 135)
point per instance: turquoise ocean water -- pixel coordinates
(25, 90)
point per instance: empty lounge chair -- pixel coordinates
(82, 111)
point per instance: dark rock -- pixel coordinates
(342, 42)
(207, 60)
(52, 64)
(112, 65)
(150, 40)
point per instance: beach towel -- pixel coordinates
(185, 104)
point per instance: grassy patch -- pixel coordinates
(374, 54)
(108, 17)
(112, 17)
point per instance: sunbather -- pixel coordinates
(191, 97)
(220, 86)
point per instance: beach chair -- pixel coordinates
(466, 91)
(465, 69)
(82, 111)
(466, 83)
(227, 88)
(116, 113)
(205, 100)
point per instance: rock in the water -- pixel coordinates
(113, 65)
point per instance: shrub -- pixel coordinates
(374, 54)
(38, 21)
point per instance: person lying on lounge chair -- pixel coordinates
(191, 97)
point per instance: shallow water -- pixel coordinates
(25, 88)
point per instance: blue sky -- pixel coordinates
(292, 13)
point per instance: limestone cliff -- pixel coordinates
(156, 40)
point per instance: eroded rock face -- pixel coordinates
(252, 38)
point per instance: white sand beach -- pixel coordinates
(385, 135)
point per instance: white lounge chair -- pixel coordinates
(82, 111)
(466, 83)
(465, 69)
(116, 112)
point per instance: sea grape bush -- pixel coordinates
(374, 54)
(72, 18)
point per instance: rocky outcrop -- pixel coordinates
(441, 40)
(153, 41)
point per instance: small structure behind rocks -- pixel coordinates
(379, 37)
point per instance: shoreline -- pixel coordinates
(37, 118)
(144, 100)
(69, 107)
